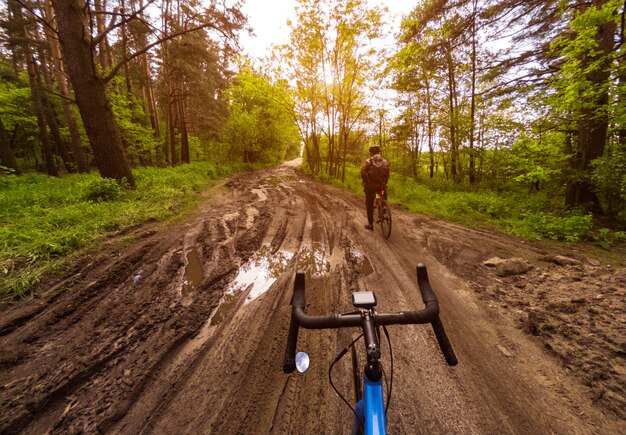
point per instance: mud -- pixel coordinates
(183, 329)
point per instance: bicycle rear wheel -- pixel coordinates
(385, 218)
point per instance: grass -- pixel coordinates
(44, 219)
(515, 211)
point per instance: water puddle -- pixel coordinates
(255, 277)
(273, 181)
(225, 306)
(362, 263)
(314, 260)
(260, 272)
(193, 273)
(251, 213)
(261, 193)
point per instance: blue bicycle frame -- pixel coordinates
(371, 409)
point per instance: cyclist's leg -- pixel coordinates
(370, 196)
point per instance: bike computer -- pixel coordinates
(365, 300)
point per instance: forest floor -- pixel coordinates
(181, 327)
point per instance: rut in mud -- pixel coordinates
(184, 329)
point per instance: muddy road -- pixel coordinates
(183, 329)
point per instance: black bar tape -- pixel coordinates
(428, 295)
(289, 364)
(429, 298)
(444, 343)
(297, 299)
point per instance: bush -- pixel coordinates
(609, 179)
(102, 190)
(43, 219)
(570, 228)
(605, 238)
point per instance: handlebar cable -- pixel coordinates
(390, 371)
(337, 358)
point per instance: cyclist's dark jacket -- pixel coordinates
(370, 182)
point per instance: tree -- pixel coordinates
(89, 88)
(78, 44)
(583, 84)
(64, 90)
(260, 127)
(7, 157)
(333, 62)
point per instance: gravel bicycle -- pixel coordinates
(370, 411)
(383, 213)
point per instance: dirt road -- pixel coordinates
(183, 329)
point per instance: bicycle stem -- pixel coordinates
(373, 370)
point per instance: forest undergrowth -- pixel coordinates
(515, 211)
(45, 219)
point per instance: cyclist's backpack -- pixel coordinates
(378, 172)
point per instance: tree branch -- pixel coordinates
(159, 41)
(37, 17)
(113, 25)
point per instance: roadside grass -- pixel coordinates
(515, 211)
(44, 219)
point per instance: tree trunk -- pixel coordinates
(124, 31)
(452, 107)
(146, 77)
(95, 108)
(76, 143)
(593, 126)
(172, 122)
(184, 137)
(431, 149)
(35, 89)
(472, 169)
(104, 50)
(49, 113)
(7, 158)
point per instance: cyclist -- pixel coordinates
(375, 174)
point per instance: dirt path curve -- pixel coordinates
(183, 330)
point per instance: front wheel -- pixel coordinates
(385, 218)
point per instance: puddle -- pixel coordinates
(362, 263)
(251, 213)
(261, 193)
(193, 273)
(273, 181)
(260, 272)
(314, 260)
(225, 306)
(230, 216)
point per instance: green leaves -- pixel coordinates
(44, 219)
(261, 127)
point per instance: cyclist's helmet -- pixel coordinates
(375, 149)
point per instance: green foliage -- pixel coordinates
(537, 158)
(43, 219)
(17, 116)
(609, 178)
(260, 127)
(605, 237)
(530, 216)
(135, 127)
(102, 189)
(571, 228)
(577, 90)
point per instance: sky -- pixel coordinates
(269, 21)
